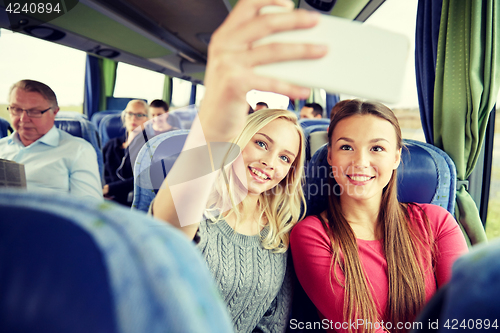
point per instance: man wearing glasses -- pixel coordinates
(53, 159)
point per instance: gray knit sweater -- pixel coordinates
(251, 279)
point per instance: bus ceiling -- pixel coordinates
(170, 37)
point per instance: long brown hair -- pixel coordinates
(406, 264)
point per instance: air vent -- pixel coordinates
(45, 33)
(107, 53)
(324, 6)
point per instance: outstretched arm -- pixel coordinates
(229, 76)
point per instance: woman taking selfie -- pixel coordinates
(241, 216)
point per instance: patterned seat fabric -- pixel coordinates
(70, 265)
(153, 162)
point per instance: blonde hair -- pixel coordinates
(134, 101)
(281, 205)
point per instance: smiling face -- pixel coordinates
(31, 129)
(363, 153)
(159, 118)
(269, 155)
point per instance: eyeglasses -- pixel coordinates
(137, 115)
(15, 111)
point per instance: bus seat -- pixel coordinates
(185, 116)
(153, 162)
(470, 298)
(306, 122)
(174, 120)
(316, 140)
(426, 175)
(72, 265)
(119, 103)
(5, 128)
(71, 114)
(307, 136)
(97, 117)
(110, 127)
(83, 128)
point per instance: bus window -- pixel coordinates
(407, 110)
(493, 217)
(181, 92)
(200, 92)
(132, 81)
(60, 67)
(275, 101)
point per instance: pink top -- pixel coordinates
(312, 255)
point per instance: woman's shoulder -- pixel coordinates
(113, 144)
(428, 209)
(310, 224)
(311, 220)
(439, 218)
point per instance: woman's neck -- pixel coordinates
(250, 217)
(362, 216)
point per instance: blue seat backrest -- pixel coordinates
(306, 122)
(5, 128)
(71, 114)
(110, 127)
(71, 265)
(83, 128)
(97, 117)
(153, 162)
(174, 120)
(184, 116)
(307, 132)
(119, 103)
(426, 175)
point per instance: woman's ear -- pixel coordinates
(329, 156)
(398, 158)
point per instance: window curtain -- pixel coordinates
(108, 79)
(100, 77)
(92, 86)
(426, 41)
(331, 100)
(466, 87)
(167, 90)
(192, 98)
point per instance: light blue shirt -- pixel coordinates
(57, 162)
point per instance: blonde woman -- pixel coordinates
(244, 237)
(244, 234)
(118, 173)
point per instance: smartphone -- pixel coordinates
(362, 61)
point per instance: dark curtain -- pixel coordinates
(331, 100)
(426, 40)
(92, 86)
(192, 99)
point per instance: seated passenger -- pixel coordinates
(311, 111)
(158, 111)
(369, 259)
(118, 173)
(53, 159)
